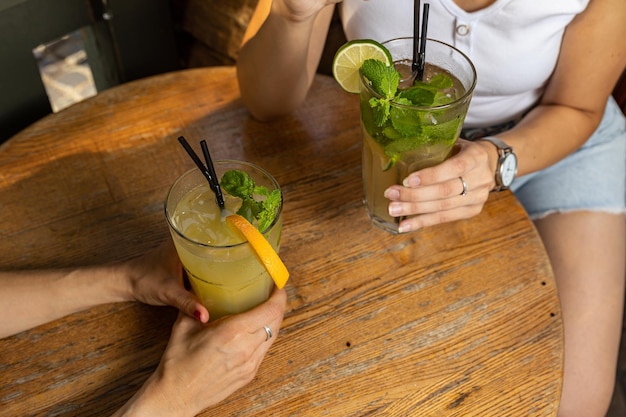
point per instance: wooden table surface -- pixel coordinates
(460, 319)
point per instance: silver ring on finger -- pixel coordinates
(268, 333)
(464, 192)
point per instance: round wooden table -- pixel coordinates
(460, 319)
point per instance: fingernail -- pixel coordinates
(392, 193)
(411, 181)
(394, 209)
(403, 228)
(197, 315)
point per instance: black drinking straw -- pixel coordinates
(206, 171)
(214, 183)
(416, 35)
(421, 61)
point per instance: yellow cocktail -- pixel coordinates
(223, 270)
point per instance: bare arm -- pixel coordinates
(277, 65)
(31, 298)
(592, 57)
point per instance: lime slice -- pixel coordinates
(351, 56)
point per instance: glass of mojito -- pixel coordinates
(409, 124)
(223, 269)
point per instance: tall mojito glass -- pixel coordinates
(224, 271)
(415, 126)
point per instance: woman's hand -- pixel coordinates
(156, 278)
(434, 195)
(204, 364)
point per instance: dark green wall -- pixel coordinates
(138, 41)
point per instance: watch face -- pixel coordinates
(508, 169)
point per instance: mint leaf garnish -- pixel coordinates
(442, 99)
(440, 81)
(396, 128)
(270, 208)
(383, 79)
(439, 84)
(380, 110)
(442, 132)
(405, 120)
(419, 95)
(240, 184)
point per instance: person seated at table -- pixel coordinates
(545, 75)
(218, 357)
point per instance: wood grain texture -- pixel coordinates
(460, 319)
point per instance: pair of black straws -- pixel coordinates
(207, 170)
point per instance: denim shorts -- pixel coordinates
(592, 178)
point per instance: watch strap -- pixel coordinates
(503, 151)
(503, 148)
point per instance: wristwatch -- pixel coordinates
(507, 164)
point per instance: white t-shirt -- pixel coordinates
(514, 44)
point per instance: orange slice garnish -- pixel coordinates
(263, 249)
